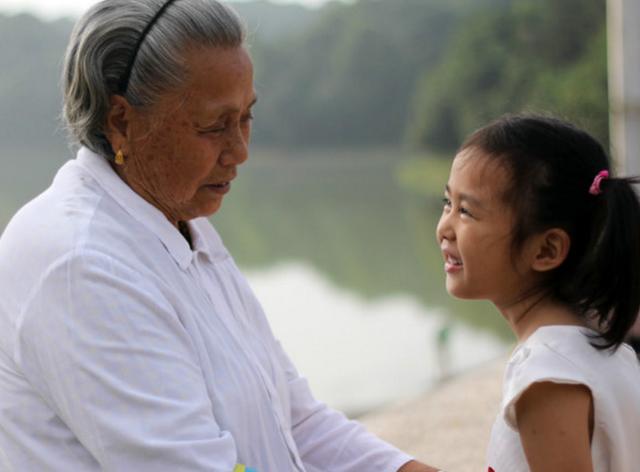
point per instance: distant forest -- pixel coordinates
(419, 74)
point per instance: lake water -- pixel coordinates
(340, 249)
(361, 353)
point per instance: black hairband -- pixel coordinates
(124, 83)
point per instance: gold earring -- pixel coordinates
(119, 157)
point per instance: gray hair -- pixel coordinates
(102, 45)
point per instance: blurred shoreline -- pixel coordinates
(448, 426)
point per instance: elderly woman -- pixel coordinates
(129, 340)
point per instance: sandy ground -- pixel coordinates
(448, 427)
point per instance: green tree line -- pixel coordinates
(425, 73)
(416, 73)
(529, 55)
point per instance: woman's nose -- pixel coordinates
(237, 149)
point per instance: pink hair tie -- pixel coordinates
(595, 186)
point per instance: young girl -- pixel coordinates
(534, 221)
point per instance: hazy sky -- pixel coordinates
(57, 8)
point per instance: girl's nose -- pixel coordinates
(444, 230)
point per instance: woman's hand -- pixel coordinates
(555, 424)
(415, 466)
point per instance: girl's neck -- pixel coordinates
(535, 311)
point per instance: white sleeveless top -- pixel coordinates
(563, 354)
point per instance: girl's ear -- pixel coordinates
(550, 249)
(118, 122)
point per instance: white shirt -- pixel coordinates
(562, 354)
(121, 349)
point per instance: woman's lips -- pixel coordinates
(222, 188)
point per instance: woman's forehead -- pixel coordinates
(219, 80)
(205, 64)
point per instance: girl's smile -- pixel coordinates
(452, 263)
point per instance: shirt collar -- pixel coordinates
(140, 209)
(206, 240)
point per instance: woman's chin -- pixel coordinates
(204, 209)
(211, 210)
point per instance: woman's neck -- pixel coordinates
(535, 311)
(183, 227)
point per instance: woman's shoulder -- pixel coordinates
(71, 220)
(71, 213)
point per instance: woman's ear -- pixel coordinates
(118, 121)
(550, 249)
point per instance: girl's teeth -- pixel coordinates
(454, 261)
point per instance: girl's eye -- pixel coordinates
(464, 211)
(448, 205)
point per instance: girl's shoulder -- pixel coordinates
(565, 355)
(575, 345)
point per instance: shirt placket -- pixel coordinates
(235, 305)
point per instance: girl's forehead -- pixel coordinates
(480, 171)
(477, 159)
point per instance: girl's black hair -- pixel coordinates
(552, 165)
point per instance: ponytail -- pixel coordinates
(610, 271)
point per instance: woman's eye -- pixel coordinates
(247, 118)
(218, 126)
(446, 202)
(216, 129)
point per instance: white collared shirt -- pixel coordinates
(122, 349)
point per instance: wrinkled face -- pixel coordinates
(475, 233)
(183, 152)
